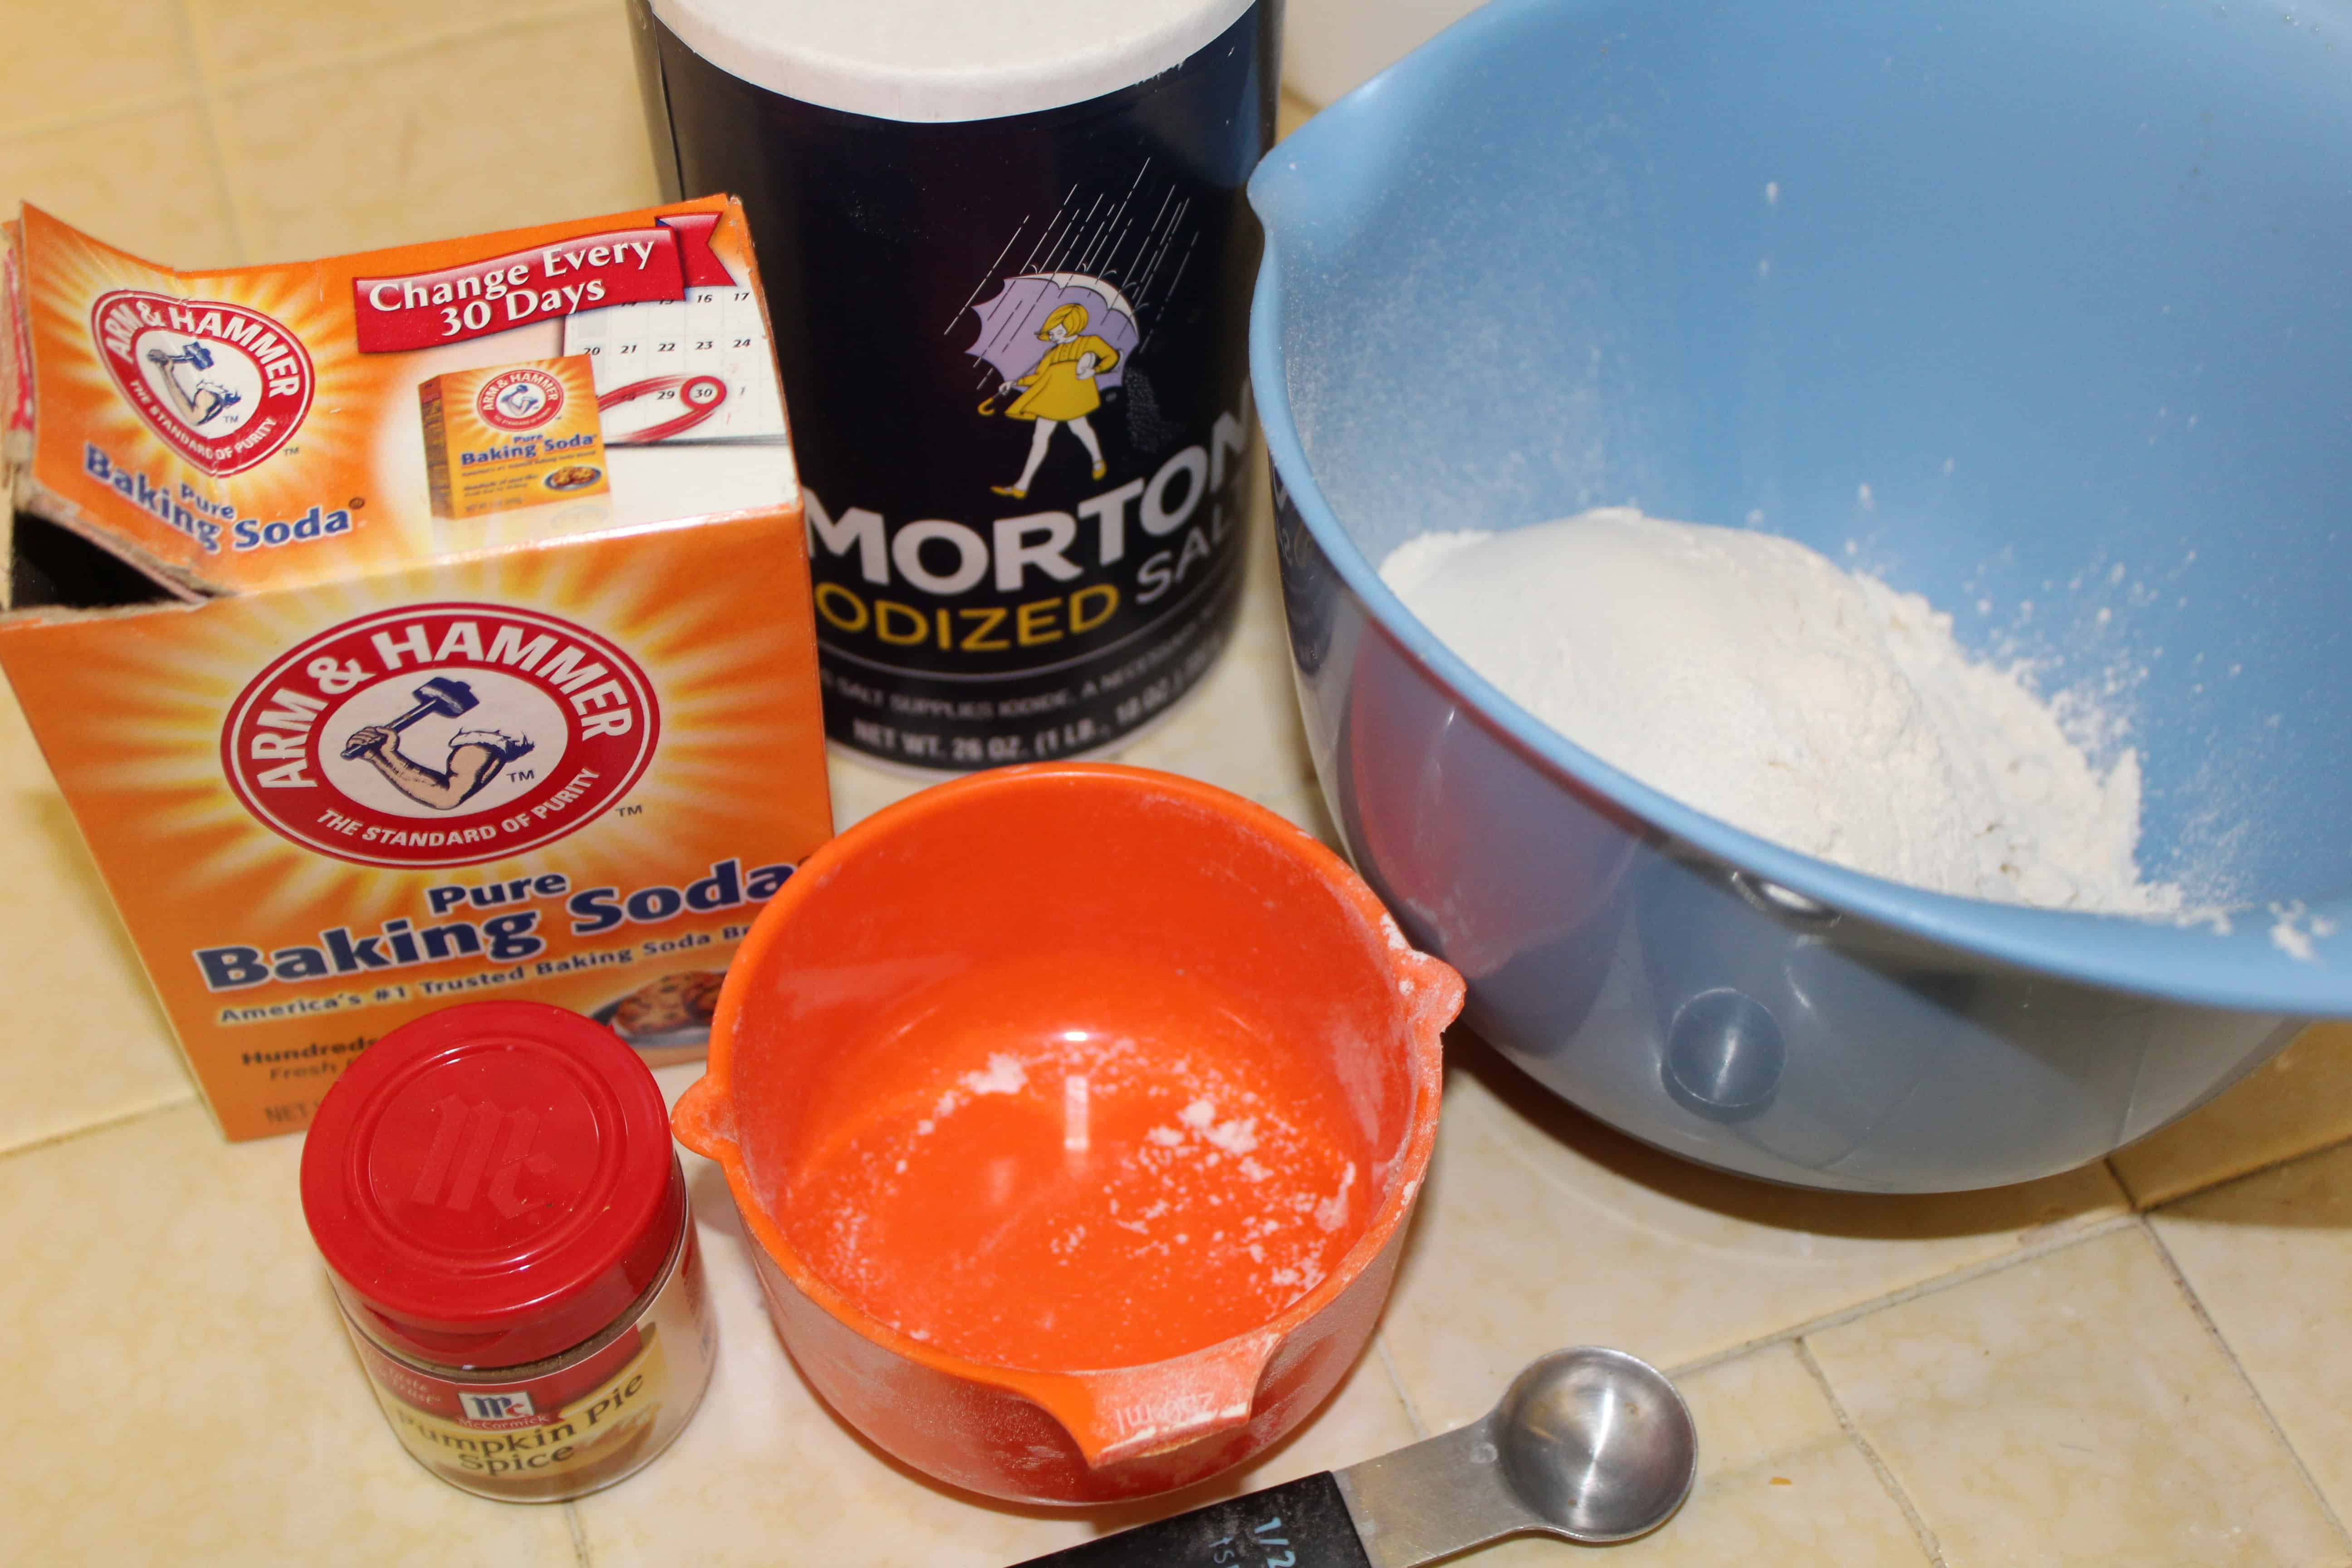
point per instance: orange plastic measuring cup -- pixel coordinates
(1076, 1111)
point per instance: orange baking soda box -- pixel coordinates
(413, 628)
(511, 435)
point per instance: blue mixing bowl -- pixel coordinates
(2043, 310)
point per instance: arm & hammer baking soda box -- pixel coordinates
(470, 651)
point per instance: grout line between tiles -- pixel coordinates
(51, 1140)
(2026, 1253)
(2033, 1244)
(1420, 1428)
(579, 1534)
(2114, 1174)
(231, 189)
(508, 20)
(2213, 1330)
(49, 125)
(2265, 1169)
(1925, 1537)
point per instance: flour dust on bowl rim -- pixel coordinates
(2041, 311)
(1075, 1114)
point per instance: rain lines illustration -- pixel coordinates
(1065, 326)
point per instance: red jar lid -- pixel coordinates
(493, 1184)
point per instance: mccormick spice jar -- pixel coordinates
(1009, 264)
(507, 1229)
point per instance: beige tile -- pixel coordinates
(861, 788)
(147, 181)
(1291, 113)
(2300, 1102)
(767, 1474)
(242, 37)
(72, 62)
(1541, 1227)
(1779, 1483)
(2073, 1410)
(88, 1043)
(184, 1391)
(2270, 1257)
(530, 124)
(1241, 728)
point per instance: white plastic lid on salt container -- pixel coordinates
(936, 60)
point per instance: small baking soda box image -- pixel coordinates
(351, 739)
(511, 435)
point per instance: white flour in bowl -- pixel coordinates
(1747, 676)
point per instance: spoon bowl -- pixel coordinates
(1589, 1445)
(1596, 1444)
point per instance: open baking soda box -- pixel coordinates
(413, 628)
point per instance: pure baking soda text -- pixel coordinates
(480, 658)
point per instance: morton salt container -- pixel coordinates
(1008, 262)
(507, 1229)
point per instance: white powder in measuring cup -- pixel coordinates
(1749, 676)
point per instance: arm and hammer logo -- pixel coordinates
(524, 398)
(443, 734)
(223, 386)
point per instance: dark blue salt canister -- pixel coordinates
(1008, 265)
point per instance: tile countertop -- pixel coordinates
(2136, 1362)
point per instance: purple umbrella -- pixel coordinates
(1009, 322)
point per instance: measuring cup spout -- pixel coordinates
(1433, 989)
(704, 1119)
(1135, 1411)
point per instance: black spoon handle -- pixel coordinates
(1299, 1524)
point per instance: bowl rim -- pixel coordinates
(1429, 1004)
(2236, 957)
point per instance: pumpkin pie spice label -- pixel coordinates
(559, 1432)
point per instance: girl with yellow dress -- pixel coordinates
(1060, 391)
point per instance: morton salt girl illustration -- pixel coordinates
(1061, 388)
(1009, 260)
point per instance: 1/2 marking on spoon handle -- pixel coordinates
(1300, 1524)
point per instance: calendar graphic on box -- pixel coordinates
(695, 369)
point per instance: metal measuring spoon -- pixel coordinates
(1592, 1445)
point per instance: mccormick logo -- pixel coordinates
(224, 386)
(524, 398)
(440, 735)
(512, 1405)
